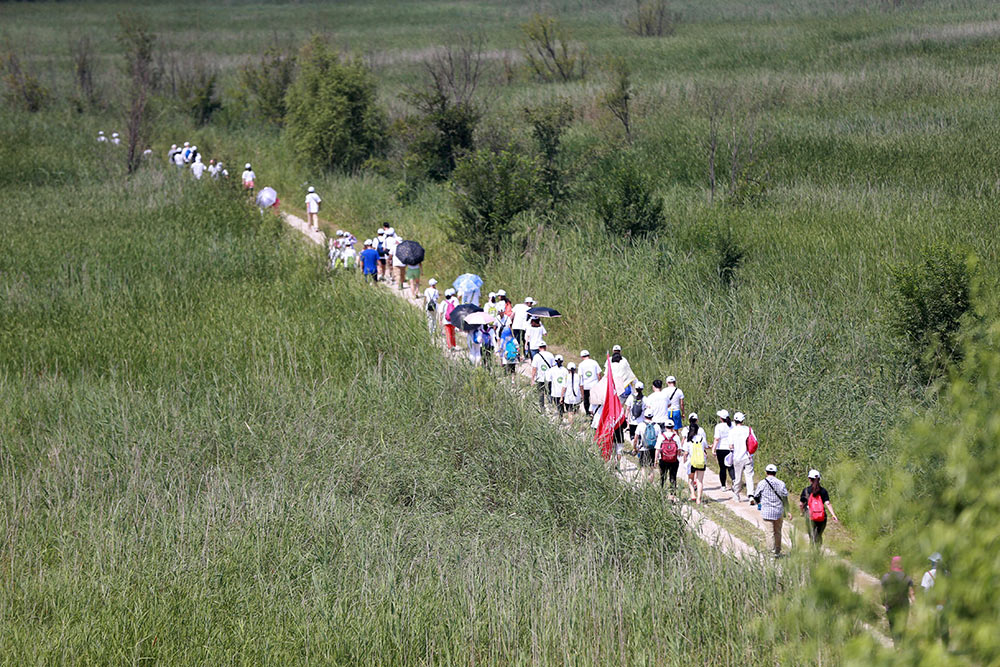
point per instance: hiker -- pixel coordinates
(520, 324)
(675, 401)
(644, 443)
(101, 139)
(193, 155)
(540, 365)
(535, 332)
(413, 278)
(668, 450)
(930, 576)
(558, 377)
(739, 435)
(248, 177)
(505, 309)
(198, 168)
(449, 329)
(624, 377)
(115, 139)
(170, 153)
(590, 375)
(815, 505)
(179, 160)
(695, 446)
(657, 402)
(490, 307)
(398, 267)
(772, 500)
(722, 448)
(369, 263)
(897, 594)
(635, 410)
(573, 396)
(475, 342)
(347, 252)
(431, 296)
(312, 207)
(509, 351)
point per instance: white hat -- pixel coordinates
(671, 378)
(616, 348)
(186, 143)
(100, 132)
(739, 417)
(528, 299)
(571, 366)
(449, 291)
(649, 413)
(639, 385)
(311, 189)
(381, 232)
(432, 282)
(246, 166)
(814, 474)
(542, 344)
(722, 414)
(368, 241)
(770, 467)
(390, 231)
(584, 353)
(693, 415)
(171, 145)
(115, 134)
(492, 294)
(559, 357)
(501, 292)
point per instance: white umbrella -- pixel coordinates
(266, 197)
(480, 318)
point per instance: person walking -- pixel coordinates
(675, 401)
(657, 402)
(475, 342)
(624, 377)
(313, 202)
(558, 377)
(101, 139)
(695, 445)
(540, 365)
(369, 263)
(897, 594)
(772, 499)
(248, 177)
(590, 375)
(668, 452)
(814, 502)
(198, 168)
(644, 443)
(739, 436)
(508, 352)
(431, 297)
(635, 410)
(398, 268)
(413, 278)
(536, 331)
(490, 307)
(520, 325)
(449, 329)
(722, 448)
(573, 396)
(930, 576)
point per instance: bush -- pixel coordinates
(652, 18)
(549, 51)
(548, 124)
(625, 201)
(929, 300)
(333, 119)
(197, 95)
(266, 82)
(730, 257)
(24, 90)
(490, 190)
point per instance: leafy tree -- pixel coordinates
(137, 41)
(266, 82)
(197, 95)
(548, 124)
(489, 191)
(333, 119)
(625, 200)
(619, 95)
(24, 89)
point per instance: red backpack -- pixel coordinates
(668, 450)
(751, 443)
(817, 511)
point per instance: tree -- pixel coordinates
(333, 119)
(550, 53)
(548, 123)
(267, 81)
(625, 201)
(652, 18)
(489, 191)
(24, 90)
(618, 97)
(137, 40)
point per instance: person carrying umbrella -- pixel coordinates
(533, 336)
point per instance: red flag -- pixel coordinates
(612, 414)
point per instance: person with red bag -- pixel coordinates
(815, 505)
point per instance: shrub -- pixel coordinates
(618, 97)
(24, 90)
(548, 123)
(197, 95)
(333, 119)
(137, 41)
(82, 51)
(730, 257)
(266, 82)
(489, 190)
(625, 201)
(929, 299)
(652, 18)
(550, 54)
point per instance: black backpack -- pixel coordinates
(637, 409)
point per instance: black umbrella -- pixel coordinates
(541, 311)
(410, 252)
(461, 312)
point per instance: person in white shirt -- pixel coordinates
(668, 457)
(624, 377)
(722, 448)
(645, 444)
(312, 207)
(742, 461)
(213, 169)
(179, 160)
(248, 177)
(557, 379)
(535, 332)
(101, 138)
(696, 446)
(490, 307)
(573, 396)
(590, 375)
(520, 312)
(221, 171)
(115, 139)
(675, 402)
(198, 168)
(635, 409)
(540, 365)
(657, 402)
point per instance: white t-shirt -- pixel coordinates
(559, 377)
(198, 169)
(738, 441)
(312, 202)
(542, 362)
(248, 178)
(721, 434)
(674, 398)
(431, 295)
(390, 244)
(178, 159)
(640, 432)
(535, 335)
(622, 372)
(689, 445)
(629, 403)
(574, 389)
(101, 137)
(397, 262)
(520, 316)
(927, 581)
(590, 373)
(657, 402)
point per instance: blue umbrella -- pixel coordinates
(467, 282)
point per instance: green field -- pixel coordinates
(214, 451)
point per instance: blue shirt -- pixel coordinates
(369, 261)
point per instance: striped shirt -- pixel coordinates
(769, 493)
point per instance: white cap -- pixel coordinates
(571, 366)
(492, 294)
(528, 299)
(814, 474)
(722, 414)
(102, 132)
(381, 232)
(559, 357)
(770, 467)
(649, 413)
(311, 189)
(432, 282)
(390, 231)
(639, 385)
(368, 241)
(616, 348)
(186, 143)
(501, 293)
(115, 134)
(449, 291)
(739, 417)
(693, 415)
(671, 378)
(246, 166)
(542, 344)
(584, 353)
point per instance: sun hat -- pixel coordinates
(722, 414)
(432, 282)
(935, 558)
(311, 189)
(186, 144)
(542, 344)
(501, 292)
(814, 474)
(693, 415)
(492, 294)
(381, 232)
(616, 348)
(584, 353)
(528, 299)
(771, 468)
(671, 378)
(739, 417)
(390, 231)
(649, 413)
(246, 166)
(639, 385)
(559, 357)
(368, 241)
(449, 291)
(571, 366)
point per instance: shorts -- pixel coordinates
(412, 273)
(697, 469)
(645, 458)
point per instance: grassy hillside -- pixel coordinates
(214, 453)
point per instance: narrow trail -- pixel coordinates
(708, 530)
